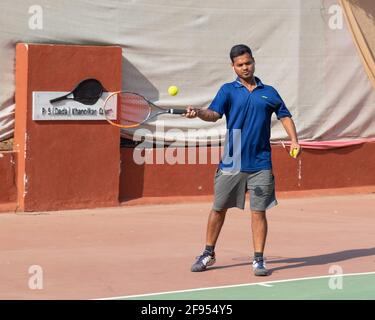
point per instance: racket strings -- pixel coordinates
(132, 110)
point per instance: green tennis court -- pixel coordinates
(360, 286)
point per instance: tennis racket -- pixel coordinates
(132, 109)
(86, 92)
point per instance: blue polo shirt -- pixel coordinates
(248, 115)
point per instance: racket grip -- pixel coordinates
(177, 111)
(58, 99)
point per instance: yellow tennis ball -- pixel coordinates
(294, 152)
(173, 90)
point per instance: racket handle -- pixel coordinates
(59, 98)
(177, 111)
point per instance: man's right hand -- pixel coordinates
(191, 112)
(203, 114)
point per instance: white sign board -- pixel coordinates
(69, 109)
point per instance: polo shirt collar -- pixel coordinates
(237, 83)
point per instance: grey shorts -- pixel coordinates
(230, 190)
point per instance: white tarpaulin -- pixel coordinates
(302, 48)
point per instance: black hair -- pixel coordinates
(239, 50)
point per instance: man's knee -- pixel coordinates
(261, 215)
(219, 212)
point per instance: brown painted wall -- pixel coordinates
(314, 169)
(321, 169)
(65, 164)
(8, 188)
(318, 169)
(158, 180)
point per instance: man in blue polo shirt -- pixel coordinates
(246, 165)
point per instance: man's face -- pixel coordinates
(244, 66)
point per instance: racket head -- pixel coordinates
(126, 109)
(88, 91)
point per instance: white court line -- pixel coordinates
(267, 283)
(264, 284)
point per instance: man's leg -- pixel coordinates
(261, 185)
(230, 192)
(214, 224)
(259, 228)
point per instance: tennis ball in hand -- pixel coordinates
(294, 152)
(173, 90)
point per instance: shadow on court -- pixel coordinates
(323, 259)
(302, 262)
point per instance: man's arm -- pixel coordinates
(290, 129)
(204, 114)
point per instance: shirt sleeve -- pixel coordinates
(281, 109)
(220, 103)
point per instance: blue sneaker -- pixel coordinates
(259, 267)
(203, 261)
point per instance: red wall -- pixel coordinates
(319, 169)
(65, 164)
(8, 190)
(314, 169)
